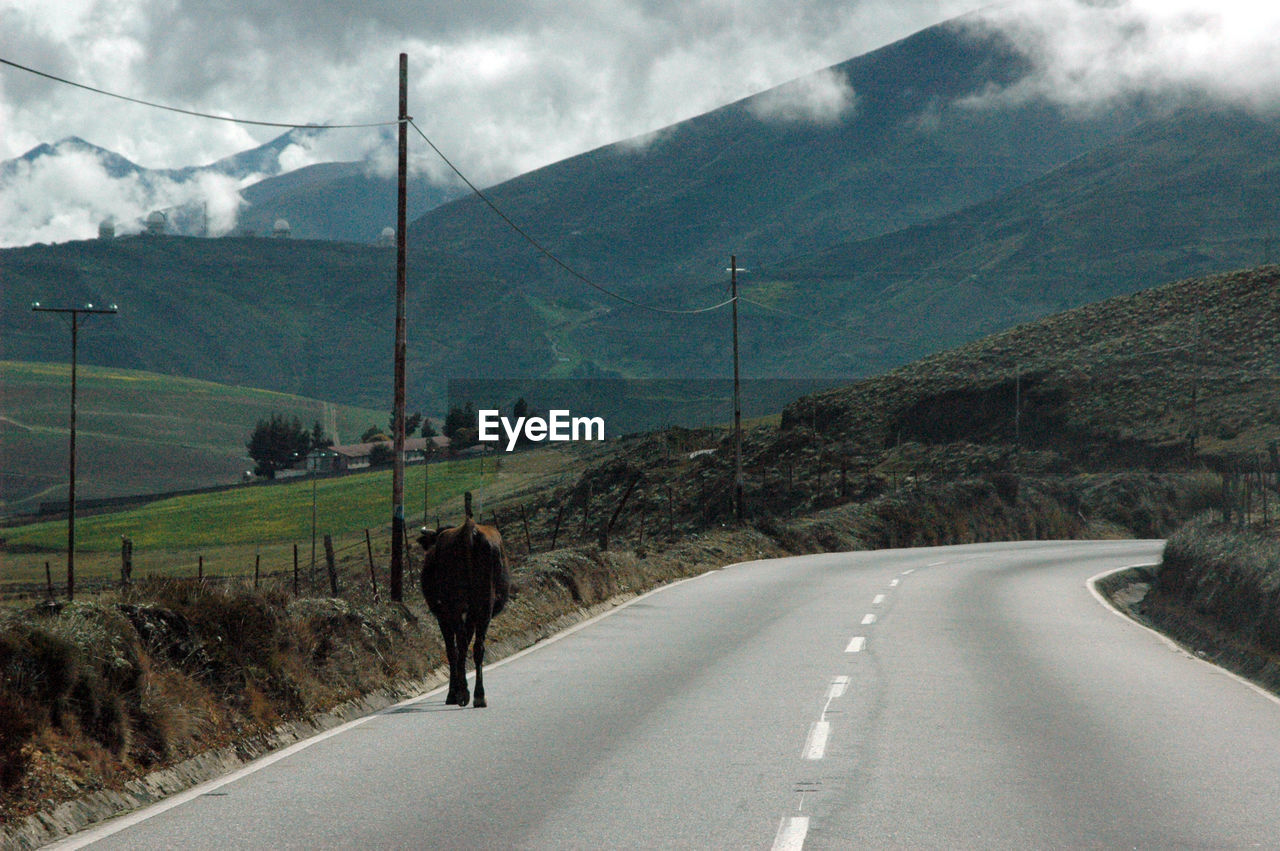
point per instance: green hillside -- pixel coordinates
(340, 201)
(1188, 194)
(137, 432)
(303, 317)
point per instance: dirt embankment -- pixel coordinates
(1217, 592)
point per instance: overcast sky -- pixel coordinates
(504, 87)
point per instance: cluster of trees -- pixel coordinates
(377, 434)
(279, 442)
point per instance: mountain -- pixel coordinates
(922, 219)
(336, 200)
(1185, 194)
(659, 216)
(113, 164)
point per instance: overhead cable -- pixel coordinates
(190, 111)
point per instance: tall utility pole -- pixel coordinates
(74, 312)
(397, 470)
(737, 398)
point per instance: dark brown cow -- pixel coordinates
(466, 582)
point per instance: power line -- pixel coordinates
(546, 252)
(231, 119)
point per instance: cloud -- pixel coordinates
(66, 195)
(822, 98)
(1091, 54)
(503, 87)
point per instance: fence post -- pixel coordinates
(555, 531)
(332, 563)
(257, 570)
(126, 561)
(48, 579)
(586, 509)
(604, 536)
(295, 570)
(528, 539)
(200, 569)
(373, 576)
(671, 513)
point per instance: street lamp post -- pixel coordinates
(74, 313)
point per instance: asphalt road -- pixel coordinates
(964, 697)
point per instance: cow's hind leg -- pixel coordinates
(463, 640)
(449, 632)
(482, 626)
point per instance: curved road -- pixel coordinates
(958, 697)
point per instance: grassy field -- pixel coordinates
(137, 432)
(230, 529)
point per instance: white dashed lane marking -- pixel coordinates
(815, 747)
(793, 829)
(791, 834)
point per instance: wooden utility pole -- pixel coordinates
(737, 399)
(397, 473)
(74, 313)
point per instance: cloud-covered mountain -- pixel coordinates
(65, 190)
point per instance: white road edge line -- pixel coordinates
(791, 833)
(94, 834)
(868, 619)
(839, 685)
(856, 644)
(893, 583)
(1092, 584)
(815, 747)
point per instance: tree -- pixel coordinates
(428, 430)
(458, 419)
(373, 434)
(411, 422)
(381, 455)
(318, 438)
(277, 444)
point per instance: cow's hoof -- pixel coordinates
(464, 699)
(480, 703)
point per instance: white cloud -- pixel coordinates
(822, 98)
(67, 195)
(1090, 54)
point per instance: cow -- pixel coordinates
(466, 582)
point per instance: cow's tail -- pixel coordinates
(469, 532)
